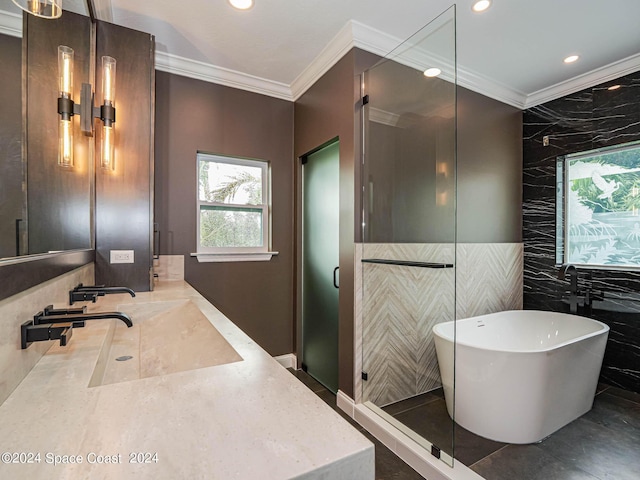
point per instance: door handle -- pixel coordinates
(335, 283)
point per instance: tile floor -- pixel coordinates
(604, 444)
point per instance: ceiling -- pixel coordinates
(512, 52)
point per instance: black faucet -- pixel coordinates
(587, 296)
(82, 293)
(568, 269)
(58, 324)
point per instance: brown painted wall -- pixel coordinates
(329, 109)
(192, 115)
(489, 170)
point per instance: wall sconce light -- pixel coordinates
(85, 109)
(108, 112)
(49, 9)
(65, 106)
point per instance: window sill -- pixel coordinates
(234, 257)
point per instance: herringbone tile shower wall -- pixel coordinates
(400, 305)
(489, 278)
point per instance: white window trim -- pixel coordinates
(236, 254)
(233, 257)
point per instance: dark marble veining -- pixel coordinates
(592, 118)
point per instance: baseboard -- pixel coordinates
(287, 361)
(411, 452)
(345, 403)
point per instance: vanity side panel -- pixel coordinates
(124, 196)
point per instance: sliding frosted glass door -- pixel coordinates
(320, 275)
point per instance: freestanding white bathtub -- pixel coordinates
(520, 375)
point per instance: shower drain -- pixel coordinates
(124, 358)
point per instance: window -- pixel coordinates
(598, 207)
(233, 208)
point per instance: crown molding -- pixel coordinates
(11, 24)
(382, 116)
(104, 10)
(337, 48)
(490, 88)
(207, 72)
(355, 34)
(594, 77)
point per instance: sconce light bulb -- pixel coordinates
(48, 9)
(35, 7)
(107, 160)
(109, 80)
(65, 143)
(65, 70)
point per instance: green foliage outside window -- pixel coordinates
(602, 208)
(231, 210)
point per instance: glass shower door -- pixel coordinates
(409, 228)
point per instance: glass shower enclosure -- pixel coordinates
(408, 255)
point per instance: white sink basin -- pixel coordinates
(166, 337)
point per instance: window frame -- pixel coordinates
(227, 253)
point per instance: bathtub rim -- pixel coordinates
(604, 329)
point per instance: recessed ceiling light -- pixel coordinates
(241, 4)
(432, 72)
(614, 87)
(571, 58)
(481, 5)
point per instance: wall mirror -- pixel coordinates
(43, 208)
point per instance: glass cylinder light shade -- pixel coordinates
(65, 71)
(65, 90)
(65, 143)
(109, 80)
(41, 8)
(107, 160)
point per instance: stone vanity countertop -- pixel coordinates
(249, 419)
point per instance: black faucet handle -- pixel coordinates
(32, 332)
(80, 286)
(65, 336)
(81, 296)
(49, 310)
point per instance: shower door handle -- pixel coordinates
(335, 283)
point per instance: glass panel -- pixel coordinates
(409, 230)
(230, 183)
(321, 209)
(230, 227)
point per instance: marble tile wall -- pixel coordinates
(16, 363)
(592, 118)
(488, 278)
(397, 307)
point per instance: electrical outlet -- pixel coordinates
(121, 256)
